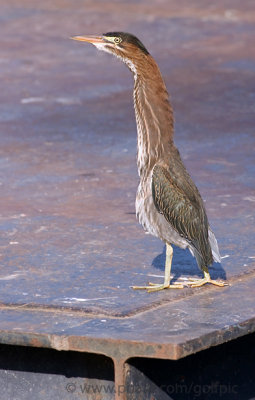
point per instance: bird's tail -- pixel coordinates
(205, 250)
(202, 251)
(214, 246)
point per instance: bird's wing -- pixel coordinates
(186, 216)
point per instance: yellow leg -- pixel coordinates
(196, 282)
(154, 287)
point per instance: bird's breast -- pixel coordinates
(145, 208)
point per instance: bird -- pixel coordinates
(168, 203)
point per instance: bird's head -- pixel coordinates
(123, 45)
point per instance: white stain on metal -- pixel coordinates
(59, 100)
(249, 198)
(72, 299)
(9, 277)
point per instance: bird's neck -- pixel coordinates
(154, 117)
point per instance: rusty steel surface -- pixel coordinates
(70, 244)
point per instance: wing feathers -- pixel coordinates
(185, 213)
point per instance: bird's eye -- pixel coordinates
(117, 40)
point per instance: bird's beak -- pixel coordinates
(89, 39)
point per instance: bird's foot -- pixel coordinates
(197, 282)
(155, 287)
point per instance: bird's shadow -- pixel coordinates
(184, 264)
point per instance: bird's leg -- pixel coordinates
(197, 282)
(154, 287)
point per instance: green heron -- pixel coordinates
(168, 203)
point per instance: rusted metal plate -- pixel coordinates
(69, 237)
(171, 331)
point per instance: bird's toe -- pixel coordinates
(218, 283)
(155, 287)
